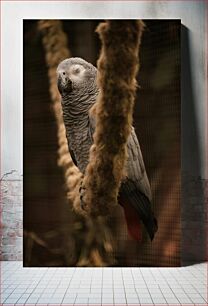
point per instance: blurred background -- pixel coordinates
(50, 227)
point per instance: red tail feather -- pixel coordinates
(132, 220)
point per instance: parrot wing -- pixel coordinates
(135, 167)
(135, 193)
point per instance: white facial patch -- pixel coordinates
(76, 73)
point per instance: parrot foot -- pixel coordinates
(81, 195)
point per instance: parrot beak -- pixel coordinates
(59, 84)
(64, 85)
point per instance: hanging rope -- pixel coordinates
(117, 66)
(56, 49)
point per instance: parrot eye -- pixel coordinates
(77, 70)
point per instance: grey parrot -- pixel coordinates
(76, 81)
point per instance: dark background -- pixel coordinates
(47, 215)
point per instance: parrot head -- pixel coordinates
(75, 75)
